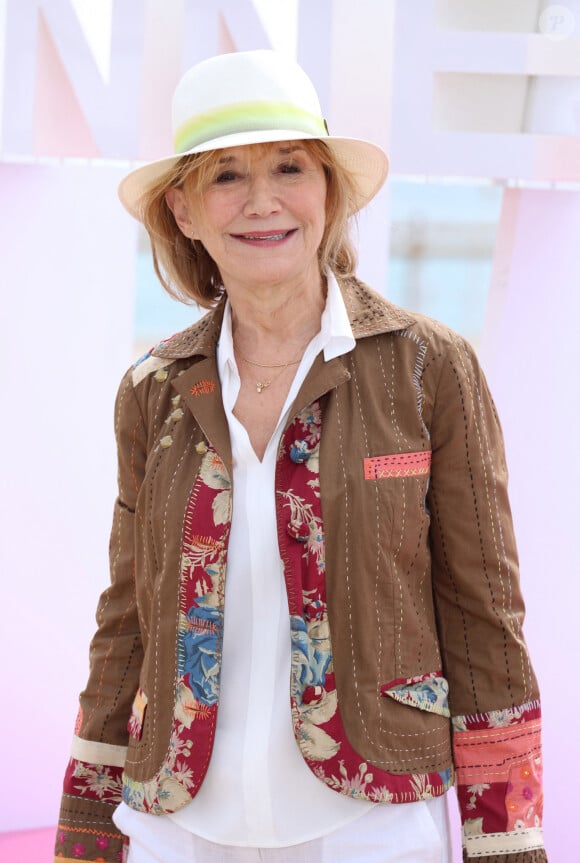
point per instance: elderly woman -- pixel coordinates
(312, 532)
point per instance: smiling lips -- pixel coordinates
(264, 237)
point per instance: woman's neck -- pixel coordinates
(267, 321)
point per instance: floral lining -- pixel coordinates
(201, 598)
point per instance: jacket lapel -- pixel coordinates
(369, 314)
(199, 386)
(322, 377)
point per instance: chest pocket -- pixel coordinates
(398, 465)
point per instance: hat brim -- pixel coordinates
(366, 163)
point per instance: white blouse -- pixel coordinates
(258, 790)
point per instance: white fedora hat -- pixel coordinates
(252, 97)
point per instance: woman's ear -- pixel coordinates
(177, 203)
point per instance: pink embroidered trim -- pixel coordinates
(399, 464)
(499, 769)
(494, 750)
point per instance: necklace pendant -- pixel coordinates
(262, 385)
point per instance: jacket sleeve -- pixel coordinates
(92, 784)
(493, 692)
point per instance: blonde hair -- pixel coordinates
(183, 266)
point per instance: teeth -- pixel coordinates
(265, 236)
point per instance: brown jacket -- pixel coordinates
(419, 596)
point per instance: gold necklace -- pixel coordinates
(263, 385)
(267, 365)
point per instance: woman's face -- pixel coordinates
(262, 216)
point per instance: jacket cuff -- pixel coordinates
(499, 784)
(86, 832)
(537, 856)
(92, 792)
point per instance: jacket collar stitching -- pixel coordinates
(369, 313)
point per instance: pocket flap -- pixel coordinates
(426, 692)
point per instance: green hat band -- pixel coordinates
(245, 117)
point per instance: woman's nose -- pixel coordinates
(262, 197)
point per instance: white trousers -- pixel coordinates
(367, 839)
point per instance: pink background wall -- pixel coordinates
(529, 354)
(67, 333)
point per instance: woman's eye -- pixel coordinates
(225, 177)
(290, 168)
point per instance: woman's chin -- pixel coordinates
(270, 274)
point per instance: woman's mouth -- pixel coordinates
(264, 237)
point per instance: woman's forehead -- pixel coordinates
(252, 152)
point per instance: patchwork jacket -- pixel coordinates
(409, 668)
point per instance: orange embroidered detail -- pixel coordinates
(200, 625)
(79, 721)
(205, 543)
(203, 388)
(196, 710)
(88, 830)
(399, 464)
